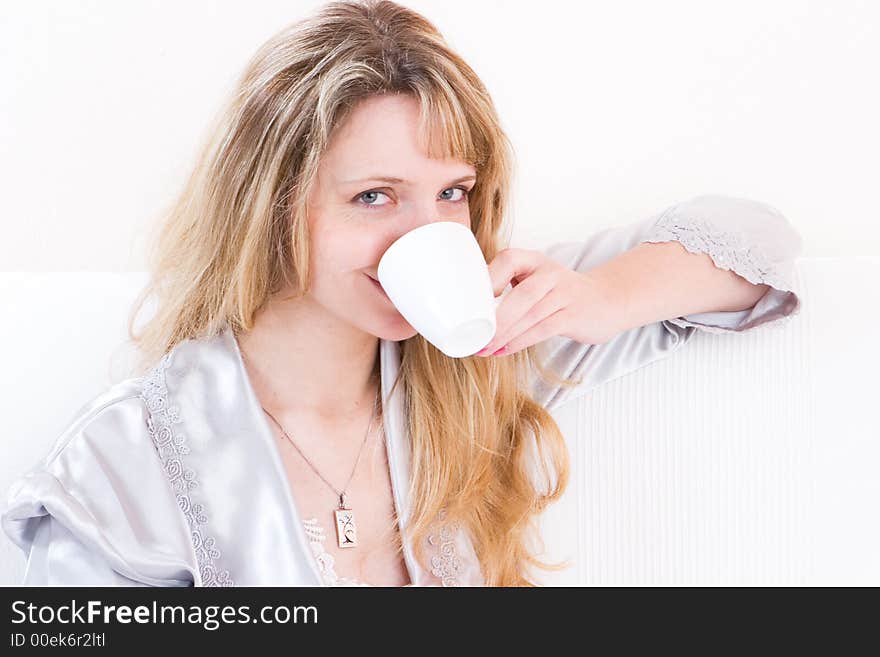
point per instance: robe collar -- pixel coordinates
(253, 533)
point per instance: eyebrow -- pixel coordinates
(393, 180)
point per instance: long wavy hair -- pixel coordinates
(482, 449)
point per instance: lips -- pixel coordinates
(378, 285)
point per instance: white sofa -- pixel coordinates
(749, 459)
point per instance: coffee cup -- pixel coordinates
(437, 278)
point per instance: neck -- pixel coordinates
(304, 361)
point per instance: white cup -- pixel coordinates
(437, 277)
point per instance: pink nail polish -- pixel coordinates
(503, 350)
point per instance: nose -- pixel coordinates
(421, 215)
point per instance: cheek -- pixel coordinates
(345, 250)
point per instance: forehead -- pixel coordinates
(381, 135)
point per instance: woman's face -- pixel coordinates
(355, 215)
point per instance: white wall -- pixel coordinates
(616, 110)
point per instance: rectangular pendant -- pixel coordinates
(346, 532)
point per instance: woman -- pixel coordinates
(283, 400)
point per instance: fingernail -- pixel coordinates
(503, 350)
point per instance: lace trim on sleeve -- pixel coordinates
(728, 249)
(172, 446)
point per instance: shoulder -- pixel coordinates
(104, 481)
(115, 417)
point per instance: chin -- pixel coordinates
(404, 334)
(396, 331)
(387, 325)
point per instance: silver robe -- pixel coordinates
(174, 478)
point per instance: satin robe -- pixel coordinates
(175, 479)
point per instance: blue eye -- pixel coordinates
(464, 193)
(372, 193)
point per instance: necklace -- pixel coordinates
(346, 530)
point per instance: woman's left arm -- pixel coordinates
(654, 281)
(629, 295)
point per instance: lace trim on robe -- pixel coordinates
(729, 250)
(171, 445)
(325, 560)
(444, 565)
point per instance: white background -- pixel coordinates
(616, 110)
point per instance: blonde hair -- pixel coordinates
(238, 232)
